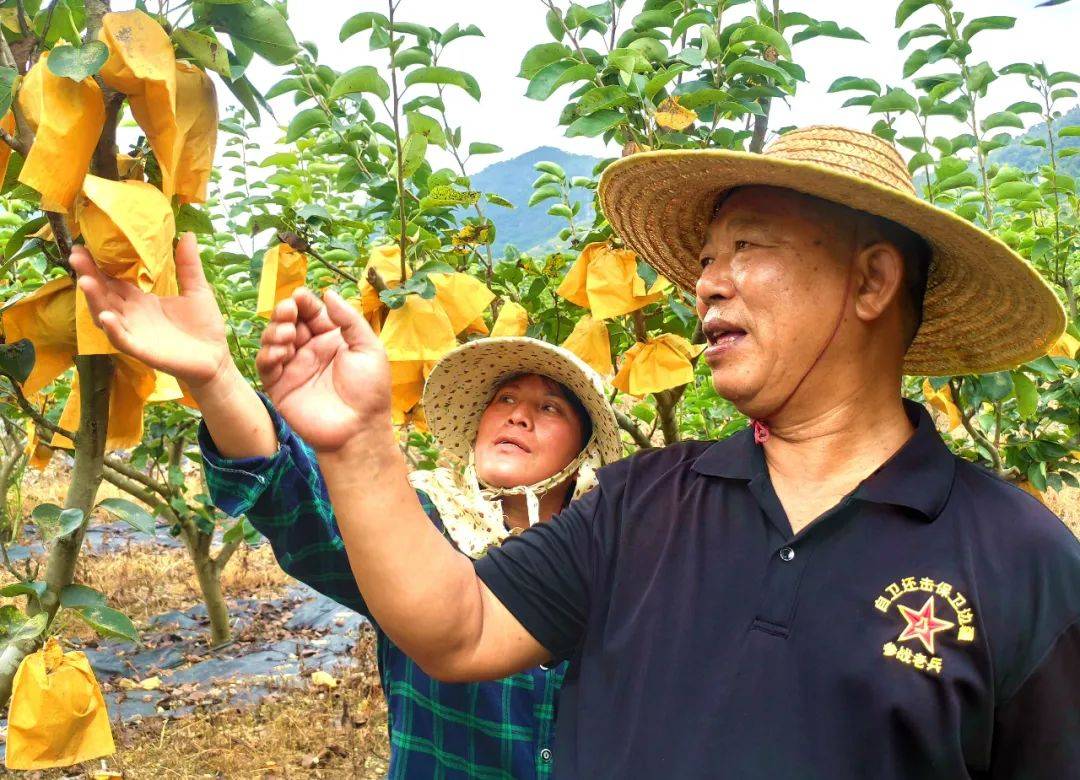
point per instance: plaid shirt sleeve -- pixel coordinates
(285, 498)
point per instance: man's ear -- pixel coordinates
(880, 268)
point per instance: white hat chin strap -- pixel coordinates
(584, 466)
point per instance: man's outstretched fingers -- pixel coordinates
(279, 333)
(354, 329)
(284, 311)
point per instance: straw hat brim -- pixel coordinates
(462, 383)
(986, 308)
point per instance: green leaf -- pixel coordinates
(895, 99)
(499, 200)
(546, 192)
(551, 77)
(761, 33)
(478, 147)
(455, 31)
(829, 30)
(554, 169)
(208, 52)
(1025, 107)
(1014, 190)
(845, 83)
(259, 26)
(108, 622)
(907, 8)
(360, 22)
(248, 96)
(447, 76)
(1002, 119)
(996, 386)
(28, 588)
(77, 596)
(8, 77)
(364, 78)
(304, 122)
(560, 210)
(17, 359)
(448, 195)
(695, 17)
(980, 76)
(662, 79)
(196, 220)
(553, 21)
(600, 98)
(1072, 131)
(758, 67)
(16, 627)
(540, 56)
(1027, 395)
(416, 55)
(988, 23)
(413, 153)
(595, 124)
(78, 63)
(924, 31)
(131, 513)
(1061, 77)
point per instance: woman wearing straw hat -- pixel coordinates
(830, 595)
(528, 421)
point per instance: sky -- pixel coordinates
(506, 117)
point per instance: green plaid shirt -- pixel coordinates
(499, 729)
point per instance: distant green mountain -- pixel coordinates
(523, 226)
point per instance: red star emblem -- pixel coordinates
(922, 625)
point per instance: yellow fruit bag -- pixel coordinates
(57, 715)
(67, 118)
(142, 66)
(590, 342)
(513, 320)
(656, 365)
(283, 271)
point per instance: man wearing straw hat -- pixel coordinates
(832, 594)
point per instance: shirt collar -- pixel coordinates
(918, 476)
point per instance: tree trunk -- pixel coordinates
(95, 374)
(208, 574)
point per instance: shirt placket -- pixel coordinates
(789, 555)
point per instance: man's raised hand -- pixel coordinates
(325, 369)
(182, 335)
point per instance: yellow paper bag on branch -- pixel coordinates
(1066, 347)
(39, 454)
(590, 341)
(128, 227)
(656, 365)
(47, 318)
(196, 128)
(407, 387)
(57, 716)
(513, 320)
(132, 387)
(283, 271)
(142, 66)
(605, 280)
(942, 401)
(462, 297)
(67, 118)
(418, 330)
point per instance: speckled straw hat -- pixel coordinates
(462, 383)
(986, 308)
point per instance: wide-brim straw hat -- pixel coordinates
(986, 308)
(463, 382)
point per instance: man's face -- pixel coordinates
(772, 283)
(528, 432)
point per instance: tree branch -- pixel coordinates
(39, 419)
(628, 425)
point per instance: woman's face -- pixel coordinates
(528, 432)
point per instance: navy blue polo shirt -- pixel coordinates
(928, 626)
